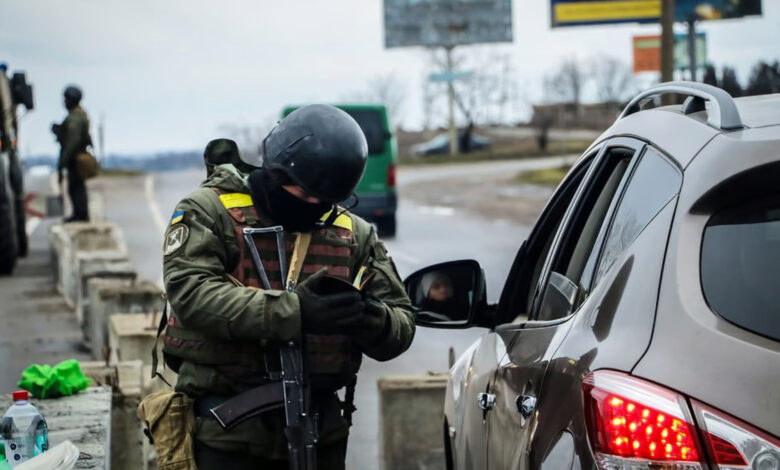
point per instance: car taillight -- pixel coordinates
(391, 176)
(736, 445)
(638, 425)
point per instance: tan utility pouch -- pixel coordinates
(169, 418)
(86, 165)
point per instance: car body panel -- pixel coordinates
(663, 132)
(726, 366)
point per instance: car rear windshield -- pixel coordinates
(371, 122)
(740, 266)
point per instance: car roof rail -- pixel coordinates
(723, 113)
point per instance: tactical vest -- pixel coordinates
(333, 360)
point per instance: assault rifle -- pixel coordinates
(302, 423)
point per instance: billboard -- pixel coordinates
(647, 52)
(590, 12)
(434, 23)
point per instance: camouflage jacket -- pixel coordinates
(73, 137)
(196, 267)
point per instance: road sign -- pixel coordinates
(647, 52)
(434, 23)
(449, 76)
(589, 12)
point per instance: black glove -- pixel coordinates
(372, 324)
(327, 313)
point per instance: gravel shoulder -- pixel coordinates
(486, 190)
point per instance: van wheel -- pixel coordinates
(386, 225)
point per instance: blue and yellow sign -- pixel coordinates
(589, 12)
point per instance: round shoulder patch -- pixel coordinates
(175, 238)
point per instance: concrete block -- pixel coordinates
(109, 297)
(81, 237)
(129, 447)
(57, 239)
(411, 413)
(85, 419)
(132, 337)
(98, 264)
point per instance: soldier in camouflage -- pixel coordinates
(73, 136)
(223, 335)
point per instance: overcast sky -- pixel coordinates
(167, 74)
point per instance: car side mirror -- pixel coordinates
(447, 295)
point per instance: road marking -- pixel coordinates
(404, 257)
(437, 210)
(154, 209)
(159, 220)
(31, 224)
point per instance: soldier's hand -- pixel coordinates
(327, 313)
(373, 324)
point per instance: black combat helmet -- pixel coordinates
(318, 147)
(72, 94)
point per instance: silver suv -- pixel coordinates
(639, 326)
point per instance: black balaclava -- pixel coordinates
(287, 210)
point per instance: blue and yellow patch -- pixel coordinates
(177, 217)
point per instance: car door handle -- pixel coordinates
(486, 401)
(526, 404)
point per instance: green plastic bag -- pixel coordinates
(45, 381)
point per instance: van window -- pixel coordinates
(371, 122)
(740, 271)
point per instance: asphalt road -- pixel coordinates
(427, 234)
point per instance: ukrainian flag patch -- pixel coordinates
(177, 217)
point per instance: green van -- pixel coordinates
(376, 192)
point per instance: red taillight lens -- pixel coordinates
(391, 176)
(639, 424)
(734, 444)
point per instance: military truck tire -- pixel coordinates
(386, 225)
(8, 241)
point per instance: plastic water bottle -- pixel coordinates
(23, 430)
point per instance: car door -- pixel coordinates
(468, 429)
(544, 319)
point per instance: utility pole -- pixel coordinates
(667, 40)
(692, 47)
(451, 101)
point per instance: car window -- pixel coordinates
(654, 183)
(740, 266)
(370, 121)
(518, 295)
(568, 282)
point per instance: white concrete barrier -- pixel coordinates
(132, 337)
(83, 237)
(411, 418)
(129, 446)
(109, 297)
(98, 264)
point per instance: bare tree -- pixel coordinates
(612, 78)
(566, 84)
(388, 90)
(248, 137)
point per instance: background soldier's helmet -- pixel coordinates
(318, 147)
(72, 94)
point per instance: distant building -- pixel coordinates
(570, 116)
